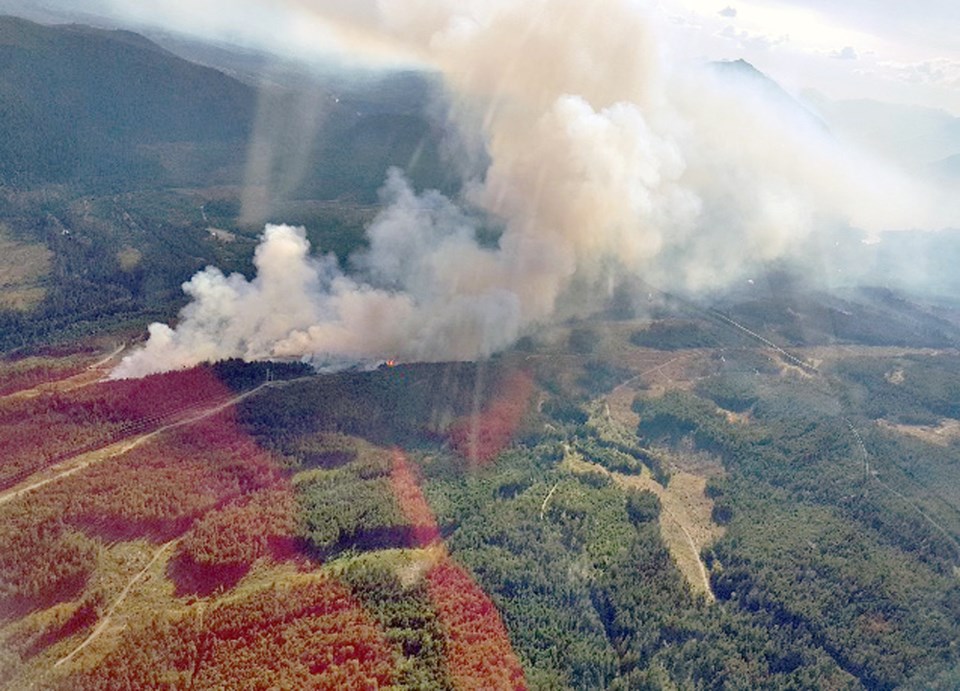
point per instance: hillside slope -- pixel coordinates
(78, 104)
(113, 109)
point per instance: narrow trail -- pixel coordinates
(806, 366)
(684, 550)
(934, 524)
(104, 622)
(872, 475)
(77, 463)
(91, 374)
(676, 511)
(617, 403)
(623, 385)
(659, 490)
(546, 500)
(695, 551)
(100, 363)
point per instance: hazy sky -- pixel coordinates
(907, 52)
(885, 49)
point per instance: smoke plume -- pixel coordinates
(602, 150)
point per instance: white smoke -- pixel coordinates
(601, 150)
(424, 291)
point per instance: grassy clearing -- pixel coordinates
(23, 268)
(944, 434)
(410, 565)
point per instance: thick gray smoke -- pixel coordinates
(603, 151)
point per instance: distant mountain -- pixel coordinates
(742, 72)
(922, 139)
(912, 135)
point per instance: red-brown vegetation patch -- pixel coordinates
(37, 433)
(220, 548)
(153, 398)
(309, 635)
(410, 499)
(161, 487)
(479, 655)
(40, 432)
(204, 580)
(42, 562)
(156, 490)
(480, 437)
(71, 620)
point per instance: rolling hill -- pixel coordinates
(107, 96)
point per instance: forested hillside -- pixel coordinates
(106, 97)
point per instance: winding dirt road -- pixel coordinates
(91, 374)
(77, 463)
(104, 622)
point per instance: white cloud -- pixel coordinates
(728, 11)
(847, 53)
(750, 40)
(936, 71)
(917, 27)
(917, 39)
